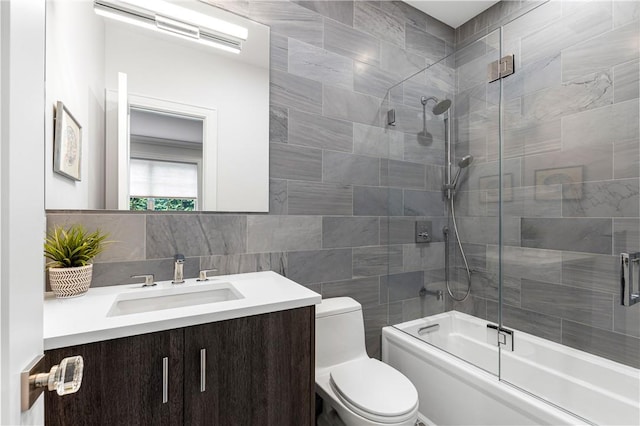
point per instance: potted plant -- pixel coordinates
(71, 252)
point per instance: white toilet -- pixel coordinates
(356, 389)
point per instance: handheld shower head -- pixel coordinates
(465, 161)
(462, 164)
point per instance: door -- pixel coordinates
(21, 200)
(570, 134)
(441, 293)
(253, 370)
(125, 382)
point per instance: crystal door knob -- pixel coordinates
(64, 378)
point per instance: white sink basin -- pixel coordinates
(150, 300)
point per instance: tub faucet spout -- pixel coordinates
(423, 292)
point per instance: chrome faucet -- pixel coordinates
(178, 269)
(148, 280)
(204, 274)
(438, 293)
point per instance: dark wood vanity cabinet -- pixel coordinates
(256, 370)
(259, 371)
(122, 382)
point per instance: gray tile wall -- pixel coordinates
(345, 192)
(571, 166)
(334, 168)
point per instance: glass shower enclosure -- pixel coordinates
(513, 199)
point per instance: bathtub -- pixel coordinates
(452, 391)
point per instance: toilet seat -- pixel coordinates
(375, 391)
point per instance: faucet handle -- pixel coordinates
(148, 279)
(204, 275)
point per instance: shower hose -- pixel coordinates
(464, 257)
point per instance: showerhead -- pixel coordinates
(442, 107)
(465, 161)
(424, 137)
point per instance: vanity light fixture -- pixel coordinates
(178, 21)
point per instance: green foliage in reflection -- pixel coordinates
(172, 204)
(136, 203)
(162, 204)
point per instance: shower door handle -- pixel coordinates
(629, 274)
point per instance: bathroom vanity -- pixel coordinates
(247, 360)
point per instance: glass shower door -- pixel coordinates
(570, 207)
(443, 163)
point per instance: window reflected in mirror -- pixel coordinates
(165, 164)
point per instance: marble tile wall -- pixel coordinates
(571, 150)
(336, 172)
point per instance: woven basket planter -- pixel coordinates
(70, 282)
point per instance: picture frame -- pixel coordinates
(546, 179)
(490, 187)
(67, 144)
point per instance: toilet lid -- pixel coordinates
(374, 387)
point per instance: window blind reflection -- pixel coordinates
(163, 179)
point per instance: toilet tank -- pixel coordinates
(339, 332)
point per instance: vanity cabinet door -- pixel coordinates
(122, 382)
(258, 370)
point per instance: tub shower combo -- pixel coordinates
(532, 197)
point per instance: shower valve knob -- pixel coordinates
(423, 231)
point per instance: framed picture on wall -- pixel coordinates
(67, 144)
(490, 188)
(559, 183)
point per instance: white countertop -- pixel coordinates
(84, 319)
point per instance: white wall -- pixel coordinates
(166, 68)
(75, 76)
(22, 218)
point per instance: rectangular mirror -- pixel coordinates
(167, 104)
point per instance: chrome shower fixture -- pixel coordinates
(462, 164)
(440, 107)
(465, 161)
(450, 188)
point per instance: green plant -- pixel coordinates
(72, 247)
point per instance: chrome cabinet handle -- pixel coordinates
(203, 370)
(165, 380)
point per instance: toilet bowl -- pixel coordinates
(356, 389)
